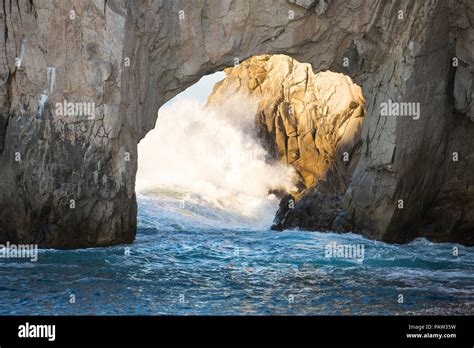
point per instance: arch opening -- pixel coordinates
(205, 164)
(239, 144)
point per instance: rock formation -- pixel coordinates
(306, 120)
(311, 122)
(68, 182)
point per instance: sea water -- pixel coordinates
(194, 259)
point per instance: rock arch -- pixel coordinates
(130, 57)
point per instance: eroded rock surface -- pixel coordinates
(130, 57)
(309, 121)
(65, 181)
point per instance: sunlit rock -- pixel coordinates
(304, 119)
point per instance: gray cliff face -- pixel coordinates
(69, 182)
(64, 180)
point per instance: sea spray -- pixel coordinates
(213, 153)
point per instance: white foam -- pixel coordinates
(213, 153)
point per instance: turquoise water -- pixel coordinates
(190, 258)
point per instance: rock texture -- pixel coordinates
(308, 121)
(311, 122)
(65, 181)
(130, 57)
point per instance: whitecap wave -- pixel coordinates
(214, 153)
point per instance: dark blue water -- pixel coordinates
(192, 259)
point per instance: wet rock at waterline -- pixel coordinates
(315, 211)
(68, 183)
